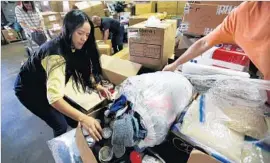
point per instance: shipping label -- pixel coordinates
(224, 9)
(207, 31)
(145, 50)
(183, 27)
(52, 18)
(186, 8)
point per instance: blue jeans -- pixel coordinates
(36, 102)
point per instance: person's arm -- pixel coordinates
(106, 29)
(54, 65)
(195, 50)
(222, 34)
(106, 35)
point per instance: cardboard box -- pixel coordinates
(104, 47)
(140, 18)
(123, 54)
(117, 70)
(10, 35)
(170, 7)
(201, 19)
(56, 6)
(51, 18)
(145, 7)
(91, 8)
(234, 3)
(151, 46)
(197, 156)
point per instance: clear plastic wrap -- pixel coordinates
(158, 98)
(64, 148)
(206, 125)
(256, 152)
(232, 109)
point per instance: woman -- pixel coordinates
(71, 56)
(30, 19)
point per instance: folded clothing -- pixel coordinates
(122, 135)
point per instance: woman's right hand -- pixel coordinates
(93, 127)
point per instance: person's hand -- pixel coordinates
(170, 67)
(39, 29)
(92, 126)
(104, 91)
(33, 29)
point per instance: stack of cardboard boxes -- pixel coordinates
(10, 35)
(92, 8)
(52, 21)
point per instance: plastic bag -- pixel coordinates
(158, 98)
(256, 152)
(204, 122)
(64, 148)
(234, 108)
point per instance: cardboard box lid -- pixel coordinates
(122, 67)
(85, 100)
(197, 156)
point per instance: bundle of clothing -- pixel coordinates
(127, 125)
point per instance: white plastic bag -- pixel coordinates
(158, 98)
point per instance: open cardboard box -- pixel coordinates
(115, 70)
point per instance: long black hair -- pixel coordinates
(31, 2)
(80, 63)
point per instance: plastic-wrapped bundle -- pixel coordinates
(158, 98)
(64, 148)
(232, 107)
(204, 122)
(256, 152)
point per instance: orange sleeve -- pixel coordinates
(224, 33)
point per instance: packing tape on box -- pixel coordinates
(134, 33)
(207, 30)
(186, 8)
(183, 27)
(224, 9)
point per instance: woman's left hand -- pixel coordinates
(104, 91)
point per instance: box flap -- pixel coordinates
(85, 152)
(197, 156)
(119, 66)
(85, 100)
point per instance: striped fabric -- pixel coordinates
(30, 18)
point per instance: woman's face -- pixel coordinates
(27, 5)
(80, 35)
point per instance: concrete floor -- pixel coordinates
(24, 136)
